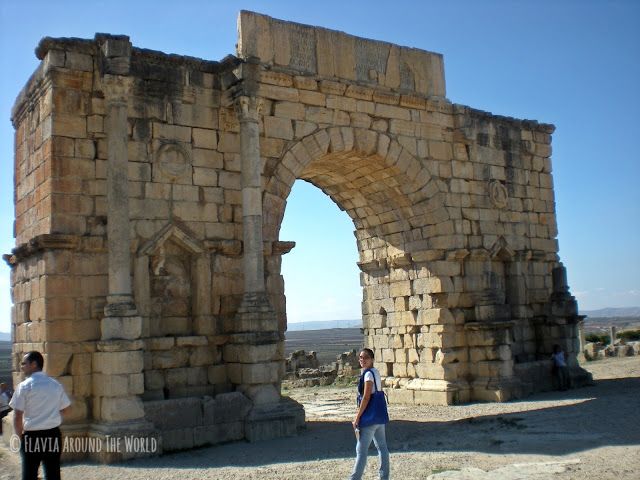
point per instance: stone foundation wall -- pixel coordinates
(195, 422)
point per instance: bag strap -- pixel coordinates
(375, 387)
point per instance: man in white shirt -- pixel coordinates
(38, 403)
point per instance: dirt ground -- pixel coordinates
(587, 433)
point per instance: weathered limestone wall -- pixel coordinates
(185, 209)
(54, 292)
(323, 53)
(453, 207)
(190, 163)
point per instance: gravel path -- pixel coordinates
(588, 433)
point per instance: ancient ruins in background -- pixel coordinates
(149, 193)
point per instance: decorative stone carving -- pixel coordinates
(498, 194)
(172, 281)
(170, 286)
(248, 108)
(116, 88)
(173, 160)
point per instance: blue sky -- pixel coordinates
(575, 64)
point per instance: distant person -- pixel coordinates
(6, 389)
(369, 423)
(38, 403)
(559, 368)
(5, 397)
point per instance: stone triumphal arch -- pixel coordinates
(149, 194)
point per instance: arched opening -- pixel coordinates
(389, 197)
(323, 293)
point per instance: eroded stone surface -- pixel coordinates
(150, 190)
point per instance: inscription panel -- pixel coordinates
(407, 80)
(303, 48)
(370, 56)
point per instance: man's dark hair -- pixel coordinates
(34, 356)
(368, 351)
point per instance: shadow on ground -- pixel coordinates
(606, 414)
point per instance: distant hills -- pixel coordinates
(324, 325)
(612, 312)
(292, 327)
(626, 312)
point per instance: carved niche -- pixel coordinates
(172, 281)
(494, 273)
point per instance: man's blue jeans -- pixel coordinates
(377, 434)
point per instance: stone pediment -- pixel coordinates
(179, 234)
(502, 250)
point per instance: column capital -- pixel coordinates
(248, 108)
(116, 88)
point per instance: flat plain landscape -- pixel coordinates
(328, 344)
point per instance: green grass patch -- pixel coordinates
(442, 470)
(627, 336)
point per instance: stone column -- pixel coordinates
(255, 353)
(120, 299)
(116, 89)
(255, 313)
(119, 360)
(118, 377)
(248, 108)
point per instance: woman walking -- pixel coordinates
(369, 423)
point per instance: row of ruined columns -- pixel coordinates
(252, 353)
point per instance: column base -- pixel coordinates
(422, 391)
(255, 314)
(120, 306)
(116, 442)
(274, 420)
(121, 327)
(500, 389)
(261, 394)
